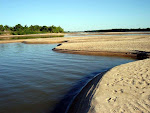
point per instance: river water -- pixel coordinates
(33, 78)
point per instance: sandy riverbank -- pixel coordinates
(31, 35)
(107, 45)
(37, 40)
(123, 89)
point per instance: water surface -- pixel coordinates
(33, 78)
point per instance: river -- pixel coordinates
(33, 78)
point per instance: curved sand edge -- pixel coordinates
(125, 88)
(100, 53)
(84, 96)
(126, 46)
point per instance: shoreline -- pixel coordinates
(36, 41)
(34, 35)
(139, 48)
(97, 91)
(124, 46)
(133, 54)
(89, 88)
(31, 41)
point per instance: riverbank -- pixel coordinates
(126, 46)
(9, 37)
(36, 40)
(124, 88)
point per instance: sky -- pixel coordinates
(77, 15)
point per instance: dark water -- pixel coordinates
(33, 78)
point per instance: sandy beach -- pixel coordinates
(123, 89)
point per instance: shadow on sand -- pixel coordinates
(81, 103)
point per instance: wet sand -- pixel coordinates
(123, 89)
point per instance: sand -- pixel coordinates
(107, 45)
(123, 89)
(37, 40)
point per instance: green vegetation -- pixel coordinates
(33, 29)
(1, 32)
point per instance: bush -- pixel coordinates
(14, 33)
(23, 30)
(1, 28)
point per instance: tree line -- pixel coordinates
(120, 30)
(33, 29)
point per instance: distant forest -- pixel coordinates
(120, 30)
(33, 29)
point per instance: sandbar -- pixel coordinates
(107, 45)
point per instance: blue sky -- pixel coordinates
(77, 15)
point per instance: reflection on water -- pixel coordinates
(33, 78)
